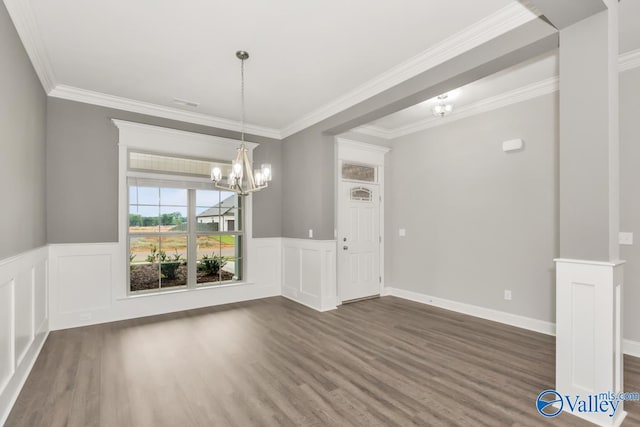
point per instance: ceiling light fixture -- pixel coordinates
(442, 108)
(241, 179)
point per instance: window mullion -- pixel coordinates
(192, 241)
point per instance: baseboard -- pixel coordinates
(298, 301)
(529, 323)
(631, 348)
(12, 390)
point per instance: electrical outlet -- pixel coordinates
(507, 295)
(310, 233)
(402, 232)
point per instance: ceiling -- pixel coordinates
(529, 79)
(534, 70)
(307, 57)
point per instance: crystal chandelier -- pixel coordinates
(442, 109)
(241, 179)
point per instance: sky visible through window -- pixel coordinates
(145, 201)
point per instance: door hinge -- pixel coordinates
(379, 279)
(380, 239)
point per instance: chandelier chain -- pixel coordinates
(242, 179)
(242, 100)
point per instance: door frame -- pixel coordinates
(365, 154)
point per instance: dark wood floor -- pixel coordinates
(273, 362)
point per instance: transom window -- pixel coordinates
(355, 172)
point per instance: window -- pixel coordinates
(181, 233)
(361, 194)
(355, 172)
(158, 237)
(219, 245)
(174, 230)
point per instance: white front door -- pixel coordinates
(358, 240)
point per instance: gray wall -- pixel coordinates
(22, 142)
(584, 132)
(82, 172)
(478, 220)
(308, 168)
(630, 196)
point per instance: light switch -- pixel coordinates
(625, 238)
(402, 232)
(310, 233)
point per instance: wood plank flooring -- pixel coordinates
(381, 362)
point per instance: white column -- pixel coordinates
(589, 275)
(589, 332)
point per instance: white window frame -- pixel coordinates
(158, 140)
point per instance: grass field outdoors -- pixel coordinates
(141, 247)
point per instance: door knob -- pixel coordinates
(345, 247)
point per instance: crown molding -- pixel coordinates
(629, 60)
(510, 17)
(523, 93)
(372, 130)
(25, 22)
(120, 103)
(494, 25)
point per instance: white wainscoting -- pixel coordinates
(87, 285)
(23, 321)
(589, 350)
(309, 272)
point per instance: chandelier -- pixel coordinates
(241, 178)
(442, 108)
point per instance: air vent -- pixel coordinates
(186, 103)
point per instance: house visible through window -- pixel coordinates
(181, 233)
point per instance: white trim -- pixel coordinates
(474, 35)
(23, 274)
(589, 262)
(372, 130)
(126, 104)
(309, 272)
(486, 29)
(629, 60)
(351, 150)
(496, 24)
(520, 94)
(370, 154)
(25, 22)
(589, 345)
(516, 320)
(631, 348)
(157, 138)
(22, 374)
(163, 140)
(77, 302)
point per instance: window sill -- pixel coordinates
(187, 290)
